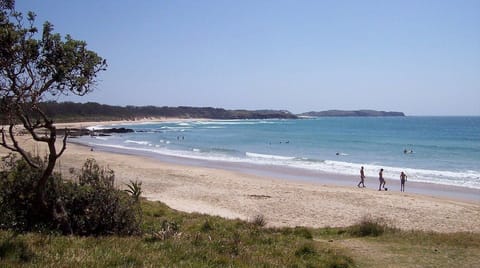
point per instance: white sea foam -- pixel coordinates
(335, 164)
(268, 156)
(181, 128)
(234, 122)
(97, 127)
(137, 142)
(468, 178)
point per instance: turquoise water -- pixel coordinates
(443, 150)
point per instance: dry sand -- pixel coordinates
(282, 202)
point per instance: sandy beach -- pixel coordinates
(240, 193)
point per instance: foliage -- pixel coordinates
(92, 111)
(92, 206)
(134, 189)
(259, 220)
(302, 231)
(94, 175)
(209, 241)
(31, 71)
(17, 196)
(16, 250)
(369, 227)
(96, 207)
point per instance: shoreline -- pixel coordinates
(458, 193)
(453, 192)
(305, 163)
(245, 191)
(283, 202)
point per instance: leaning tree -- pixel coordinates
(34, 67)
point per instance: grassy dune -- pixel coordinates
(176, 239)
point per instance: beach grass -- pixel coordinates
(178, 239)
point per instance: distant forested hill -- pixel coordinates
(352, 113)
(71, 111)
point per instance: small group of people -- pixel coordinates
(403, 179)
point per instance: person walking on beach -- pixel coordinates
(362, 178)
(403, 179)
(381, 179)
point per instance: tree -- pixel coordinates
(34, 68)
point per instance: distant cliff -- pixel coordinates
(351, 113)
(71, 111)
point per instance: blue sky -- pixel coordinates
(420, 57)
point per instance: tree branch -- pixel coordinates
(4, 142)
(16, 147)
(46, 86)
(64, 145)
(31, 129)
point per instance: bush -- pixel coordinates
(91, 207)
(18, 197)
(305, 250)
(96, 207)
(368, 227)
(15, 250)
(259, 220)
(303, 232)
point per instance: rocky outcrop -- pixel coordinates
(75, 132)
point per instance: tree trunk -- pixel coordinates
(57, 212)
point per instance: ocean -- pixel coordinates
(440, 150)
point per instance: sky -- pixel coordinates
(416, 56)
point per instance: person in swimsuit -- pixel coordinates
(381, 179)
(362, 178)
(403, 179)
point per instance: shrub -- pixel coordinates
(95, 207)
(303, 232)
(134, 189)
(169, 229)
(368, 227)
(16, 250)
(206, 226)
(305, 250)
(259, 220)
(91, 207)
(18, 197)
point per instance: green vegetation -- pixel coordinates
(369, 227)
(34, 66)
(108, 227)
(91, 111)
(173, 238)
(118, 228)
(90, 205)
(176, 239)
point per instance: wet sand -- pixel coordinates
(316, 177)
